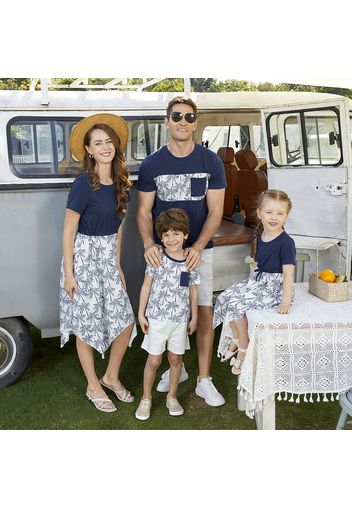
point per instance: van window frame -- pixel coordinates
(33, 120)
(301, 113)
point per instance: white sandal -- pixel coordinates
(237, 363)
(102, 404)
(229, 353)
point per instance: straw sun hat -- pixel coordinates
(77, 136)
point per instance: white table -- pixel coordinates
(300, 357)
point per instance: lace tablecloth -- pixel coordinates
(303, 356)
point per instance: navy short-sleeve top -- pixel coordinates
(272, 255)
(182, 182)
(97, 209)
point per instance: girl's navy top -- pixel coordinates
(272, 255)
(97, 209)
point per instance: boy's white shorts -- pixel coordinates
(164, 335)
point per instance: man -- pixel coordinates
(186, 175)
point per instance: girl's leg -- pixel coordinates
(235, 334)
(117, 352)
(152, 364)
(86, 358)
(242, 328)
(175, 362)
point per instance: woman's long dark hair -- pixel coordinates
(119, 171)
(271, 194)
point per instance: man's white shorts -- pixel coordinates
(205, 289)
(165, 334)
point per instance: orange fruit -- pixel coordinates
(328, 276)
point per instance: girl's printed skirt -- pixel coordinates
(262, 290)
(101, 309)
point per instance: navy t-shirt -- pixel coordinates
(182, 182)
(272, 255)
(97, 209)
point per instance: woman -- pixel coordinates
(93, 301)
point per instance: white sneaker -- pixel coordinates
(163, 385)
(206, 389)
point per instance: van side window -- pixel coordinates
(306, 138)
(39, 147)
(147, 137)
(236, 136)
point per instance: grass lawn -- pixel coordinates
(51, 395)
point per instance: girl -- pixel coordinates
(270, 284)
(93, 301)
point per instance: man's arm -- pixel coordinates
(152, 252)
(215, 203)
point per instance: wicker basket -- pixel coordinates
(330, 292)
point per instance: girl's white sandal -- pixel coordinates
(237, 363)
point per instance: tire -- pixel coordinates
(15, 350)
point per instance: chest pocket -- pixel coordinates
(198, 187)
(184, 278)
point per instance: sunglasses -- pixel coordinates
(176, 116)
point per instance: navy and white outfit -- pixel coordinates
(183, 182)
(101, 309)
(168, 308)
(262, 290)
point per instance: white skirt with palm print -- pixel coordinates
(101, 309)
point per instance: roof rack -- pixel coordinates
(46, 84)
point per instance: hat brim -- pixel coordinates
(118, 124)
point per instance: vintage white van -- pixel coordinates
(303, 137)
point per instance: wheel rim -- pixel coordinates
(7, 351)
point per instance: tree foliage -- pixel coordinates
(197, 85)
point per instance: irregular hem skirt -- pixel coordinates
(261, 290)
(101, 309)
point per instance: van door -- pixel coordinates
(309, 157)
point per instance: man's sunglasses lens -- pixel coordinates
(177, 116)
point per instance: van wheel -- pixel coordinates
(15, 350)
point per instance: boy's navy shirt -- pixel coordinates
(182, 182)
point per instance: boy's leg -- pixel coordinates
(175, 361)
(152, 364)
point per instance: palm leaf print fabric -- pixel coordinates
(261, 292)
(101, 310)
(169, 299)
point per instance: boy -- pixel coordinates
(168, 295)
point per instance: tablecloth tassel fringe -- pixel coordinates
(305, 398)
(238, 387)
(103, 355)
(297, 399)
(279, 398)
(311, 400)
(325, 398)
(318, 398)
(285, 398)
(241, 392)
(332, 397)
(337, 396)
(291, 400)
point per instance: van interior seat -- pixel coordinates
(251, 183)
(231, 234)
(227, 155)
